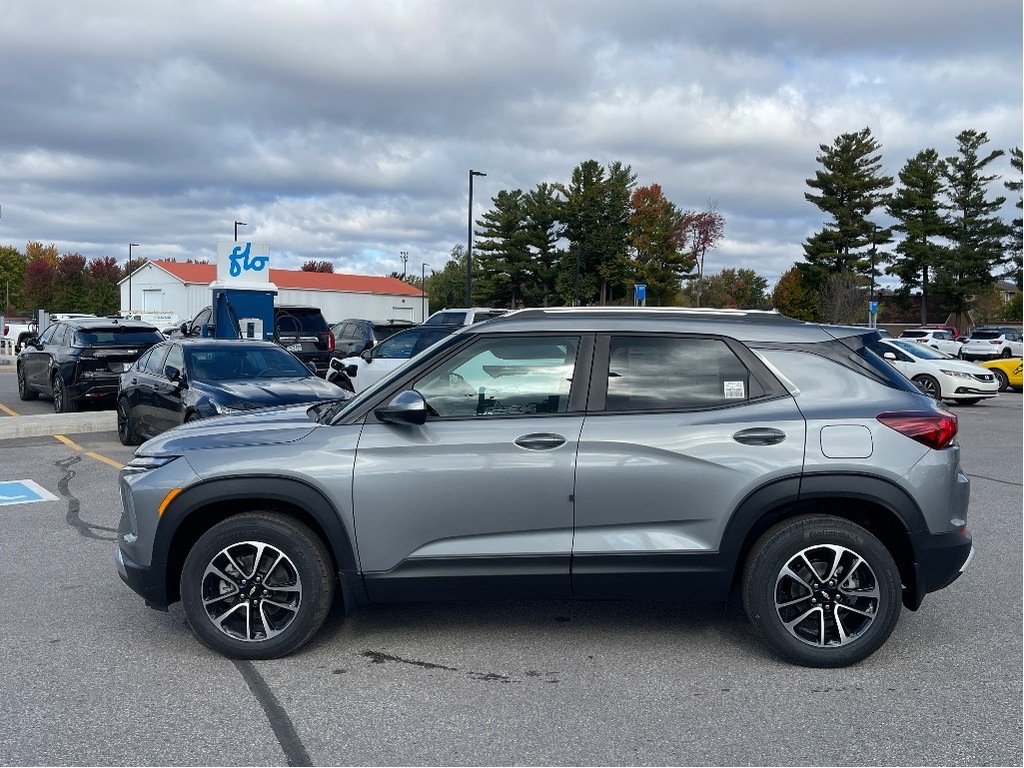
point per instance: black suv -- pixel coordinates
(354, 336)
(303, 331)
(81, 360)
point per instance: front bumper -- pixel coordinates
(149, 582)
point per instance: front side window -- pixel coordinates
(399, 346)
(659, 373)
(503, 377)
(155, 362)
(175, 359)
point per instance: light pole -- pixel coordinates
(871, 292)
(404, 256)
(130, 270)
(237, 225)
(423, 290)
(469, 240)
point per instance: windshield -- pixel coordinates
(446, 318)
(985, 335)
(243, 362)
(338, 411)
(913, 334)
(920, 351)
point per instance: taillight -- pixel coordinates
(995, 341)
(936, 430)
(328, 339)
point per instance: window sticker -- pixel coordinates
(734, 390)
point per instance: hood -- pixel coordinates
(248, 394)
(267, 426)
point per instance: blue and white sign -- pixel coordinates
(23, 492)
(243, 263)
(640, 292)
(873, 307)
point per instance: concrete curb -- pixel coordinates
(46, 425)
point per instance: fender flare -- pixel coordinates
(179, 515)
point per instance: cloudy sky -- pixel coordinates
(346, 130)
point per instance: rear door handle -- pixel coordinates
(540, 441)
(759, 436)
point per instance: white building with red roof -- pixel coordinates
(183, 288)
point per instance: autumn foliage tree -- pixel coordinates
(318, 266)
(657, 236)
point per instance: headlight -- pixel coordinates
(957, 374)
(142, 464)
(220, 410)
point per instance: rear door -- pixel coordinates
(679, 430)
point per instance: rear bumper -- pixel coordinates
(939, 560)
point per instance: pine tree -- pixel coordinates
(850, 187)
(973, 226)
(1016, 244)
(503, 253)
(919, 211)
(543, 231)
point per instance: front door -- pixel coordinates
(478, 501)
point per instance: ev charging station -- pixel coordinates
(243, 296)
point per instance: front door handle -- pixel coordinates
(759, 436)
(540, 441)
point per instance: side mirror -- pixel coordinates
(175, 375)
(407, 407)
(31, 341)
(312, 368)
(184, 329)
(889, 355)
(367, 355)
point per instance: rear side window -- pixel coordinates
(673, 373)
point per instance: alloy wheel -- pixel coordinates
(827, 595)
(251, 591)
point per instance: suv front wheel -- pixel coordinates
(822, 591)
(257, 586)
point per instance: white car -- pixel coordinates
(937, 374)
(467, 316)
(936, 339)
(990, 343)
(358, 372)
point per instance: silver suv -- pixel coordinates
(568, 453)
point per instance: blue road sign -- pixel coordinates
(873, 307)
(640, 292)
(23, 492)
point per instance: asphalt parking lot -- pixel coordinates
(91, 676)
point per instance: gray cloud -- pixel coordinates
(346, 130)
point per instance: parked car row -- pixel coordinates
(984, 343)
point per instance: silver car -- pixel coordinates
(568, 453)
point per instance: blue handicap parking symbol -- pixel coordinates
(23, 492)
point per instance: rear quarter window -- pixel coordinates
(118, 335)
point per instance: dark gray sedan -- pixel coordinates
(187, 379)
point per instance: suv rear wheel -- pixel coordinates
(822, 591)
(257, 586)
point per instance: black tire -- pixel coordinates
(62, 400)
(1006, 353)
(1002, 378)
(929, 385)
(125, 429)
(192, 416)
(25, 392)
(303, 576)
(865, 602)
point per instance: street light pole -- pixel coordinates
(404, 255)
(130, 270)
(423, 290)
(237, 225)
(469, 240)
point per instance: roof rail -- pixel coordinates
(676, 313)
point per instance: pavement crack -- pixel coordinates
(294, 750)
(379, 658)
(74, 513)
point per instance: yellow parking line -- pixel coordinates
(91, 454)
(8, 411)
